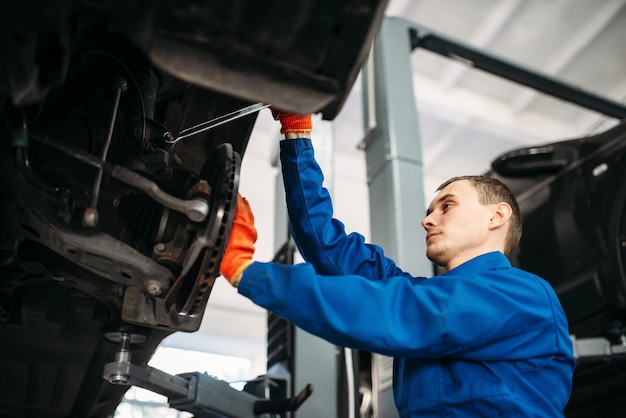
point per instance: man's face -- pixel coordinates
(457, 225)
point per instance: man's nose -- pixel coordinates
(428, 222)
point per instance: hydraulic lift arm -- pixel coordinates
(198, 393)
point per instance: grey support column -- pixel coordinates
(393, 150)
(394, 172)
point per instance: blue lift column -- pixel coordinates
(394, 171)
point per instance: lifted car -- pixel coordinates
(123, 125)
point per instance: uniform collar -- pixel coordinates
(488, 261)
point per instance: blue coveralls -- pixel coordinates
(485, 339)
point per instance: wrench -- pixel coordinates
(172, 138)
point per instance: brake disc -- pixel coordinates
(192, 288)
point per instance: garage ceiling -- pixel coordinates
(580, 42)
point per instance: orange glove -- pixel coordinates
(240, 247)
(292, 122)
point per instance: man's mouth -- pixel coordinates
(431, 235)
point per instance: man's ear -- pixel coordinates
(501, 214)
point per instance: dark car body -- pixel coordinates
(107, 227)
(572, 196)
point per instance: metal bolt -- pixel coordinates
(197, 210)
(118, 372)
(153, 288)
(90, 217)
(168, 137)
(120, 84)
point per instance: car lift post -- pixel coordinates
(394, 172)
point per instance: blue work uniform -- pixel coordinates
(484, 339)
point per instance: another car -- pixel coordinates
(572, 196)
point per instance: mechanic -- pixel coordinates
(484, 339)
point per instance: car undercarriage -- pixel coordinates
(123, 128)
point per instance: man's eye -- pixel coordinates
(446, 206)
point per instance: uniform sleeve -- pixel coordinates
(409, 317)
(321, 239)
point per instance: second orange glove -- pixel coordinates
(240, 248)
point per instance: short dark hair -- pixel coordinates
(492, 191)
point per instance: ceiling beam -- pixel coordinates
(461, 105)
(577, 44)
(592, 123)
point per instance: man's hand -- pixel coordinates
(292, 124)
(240, 247)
